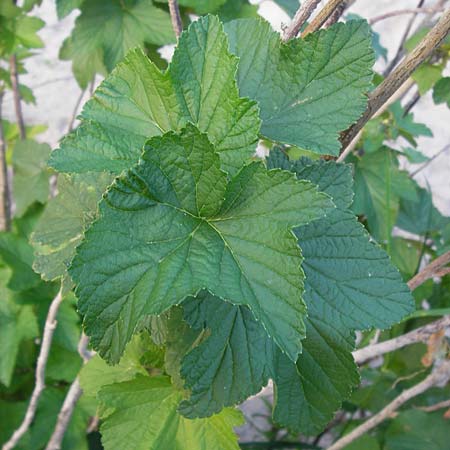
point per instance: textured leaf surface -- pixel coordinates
(65, 7)
(234, 362)
(141, 415)
(61, 226)
(172, 226)
(308, 89)
(441, 91)
(350, 284)
(138, 101)
(31, 176)
(107, 29)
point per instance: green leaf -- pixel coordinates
(142, 415)
(350, 284)
(236, 9)
(309, 90)
(17, 323)
(228, 238)
(61, 226)
(107, 29)
(288, 6)
(234, 362)
(414, 156)
(138, 101)
(65, 7)
(405, 126)
(379, 185)
(426, 76)
(17, 253)
(202, 6)
(441, 91)
(416, 430)
(31, 176)
(420, 216)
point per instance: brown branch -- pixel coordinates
(301, 16)
(421, 334)
(5, 194)
(177, 24)
(337, 13)
(435, 407)
(49, 329)
(400, 12)
(322, 16)
(73, 395)
(429, 271)
(16, 94)
(397, 77)
(439, 376)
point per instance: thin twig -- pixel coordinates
(5, 194)
(177, 24)
(439, 153)
(435, 407)
(439, 376)
(429, 271)
(16, 94)
(400, 12)
(413, 102)
(75, 111)
(421, 334)
(301, 16)
(397, 77)
(322, 16)
(73, 395)
(397, 96)
(49, 329)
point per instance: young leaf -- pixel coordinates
(308, 89)
(61, 226)
(141, 414)
(107, 29)
(172, 225)
(138, 101)
(65, 7)
(31, 176)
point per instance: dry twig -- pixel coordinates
(177, 24)
(400, 12)
(16, 94)
(435, 407)
(397, 77)
(301, 16)
(49, 329)
(421, 334)
(323, 15)
(72, 397)
(438, 377)
(429, 271)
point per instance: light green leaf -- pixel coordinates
(441, 91)
(17, 323)
(31, 176)
(61, 226)
(202, 6)
(138, 101)
(107, 29)
(167, 230)
(426, 76)
(235, 9)
(97, 373)
(234, 362)
(142, 415)
(309, 90)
